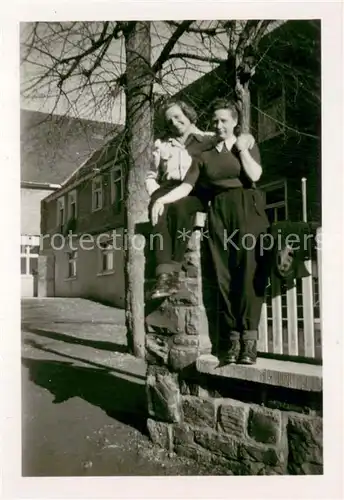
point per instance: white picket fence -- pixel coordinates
(290, 322)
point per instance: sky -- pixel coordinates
(175, 75)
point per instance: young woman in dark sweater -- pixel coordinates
(227, 171)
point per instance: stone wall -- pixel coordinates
(250, 428)
(178, 327)
(250, 439)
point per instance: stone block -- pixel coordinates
(157, 348)
(268, 456)
(218, 443)
(160, 433)
(208, 392)
(192, 258)
(182, 357)
(199, 412)
(205, 458)
(194, 243)
(309, 469)
(305, 440)
(233, 418)
(192, 271)
(265, 425)
(196, 321)
(183, 351)
(182, 435)
(167, 317)
(200, 220)
(163, 395)
(185, 341)
(195, 453)
(189, 294)
(186, 389)
(152, 329)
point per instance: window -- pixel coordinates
(271, 114)
(106, 257)
(72, 209)
(61, 216)
(276, 201)
(117, 185)
(97, 194)
(29, 259)
(72, 257)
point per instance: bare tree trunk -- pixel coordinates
(242, 59)
(139, 115)
(244, 100)
(243, 69)
(242, 79)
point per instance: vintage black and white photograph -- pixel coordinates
(170, 248)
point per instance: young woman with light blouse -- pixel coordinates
(172, 157)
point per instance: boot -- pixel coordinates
(230, 355)
(248, 354)
(162, 286)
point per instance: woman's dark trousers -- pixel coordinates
(237, 222)
(169, 238)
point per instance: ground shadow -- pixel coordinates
(101, 301)
(121, 372)
(70, 339)
(121, 399)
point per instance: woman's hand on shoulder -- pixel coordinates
(244, 142)
(208, 134)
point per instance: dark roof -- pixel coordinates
(54, 146)
(111, 151)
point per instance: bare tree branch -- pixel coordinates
(185, 55)
(181, 29)
(201, 31)
(82, 51)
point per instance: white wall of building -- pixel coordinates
(90, 281)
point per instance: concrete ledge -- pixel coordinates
(274, 372)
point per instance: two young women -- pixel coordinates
(214, 173)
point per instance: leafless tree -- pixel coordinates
(88, 66)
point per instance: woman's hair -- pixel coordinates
(188, 110)
(232, 107)
(226, 104)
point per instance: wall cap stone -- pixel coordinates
(288, 374)
(200, 220)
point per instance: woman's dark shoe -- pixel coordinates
(162, 286)
(231, 354)
(248, 355)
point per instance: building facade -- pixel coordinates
(286, 114)
(51, 148)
